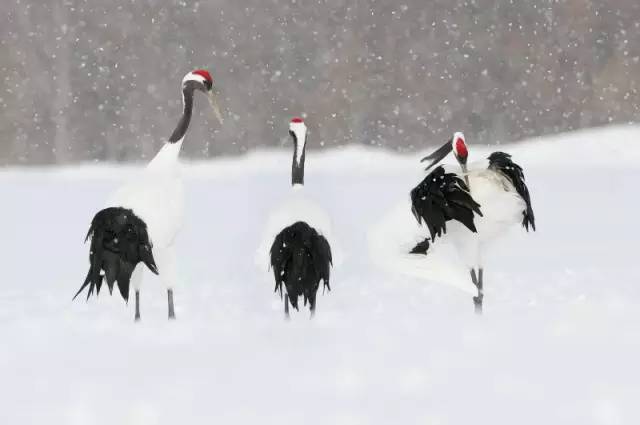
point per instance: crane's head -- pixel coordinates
(201, 80)
(455, 144)
(298, 130)
(459, 147)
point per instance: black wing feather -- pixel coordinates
(441, 197)
(119, 241)
(501, 162)
(421, 247)
(321, 254)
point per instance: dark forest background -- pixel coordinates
(100, 80)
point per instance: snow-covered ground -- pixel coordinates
(559, 342)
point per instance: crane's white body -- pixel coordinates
(156, 196)
(501, 208)
(297, 206)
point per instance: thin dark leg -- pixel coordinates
(480, 288)
(312, 306)
(172, 313)
(286, 306)
(137, 318)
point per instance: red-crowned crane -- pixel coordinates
(472, 205)
(142, 219)
(297, 234)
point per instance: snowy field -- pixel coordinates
(559, 342)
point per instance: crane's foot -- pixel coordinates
(478, 283)
(172, 313)
(477, 304)
(137, 316)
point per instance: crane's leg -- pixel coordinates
(478, 282)
(286, 306)
(137, 316)
(312, 305)
(166, 260)
(136, 282)
(172, 312)
(480, 289)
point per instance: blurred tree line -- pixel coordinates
(100, 80)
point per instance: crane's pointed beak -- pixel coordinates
(438, 155)
(213, 101)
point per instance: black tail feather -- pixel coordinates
(301, 258)
(84, 285)
(322, 256)
(119, 241)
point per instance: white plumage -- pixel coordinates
(157, 196)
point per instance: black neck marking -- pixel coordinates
(297, 168)
(183, 124)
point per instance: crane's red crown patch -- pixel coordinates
(203, 73)
(461, 148)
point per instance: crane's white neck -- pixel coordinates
(167, 158)
(298, 131)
